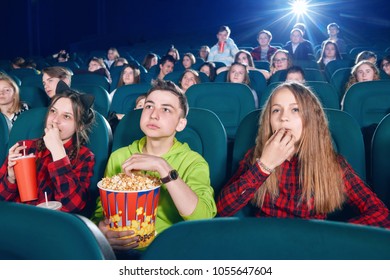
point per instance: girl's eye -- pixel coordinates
(275, 110)
(166, 110)
(295, 110)
(148, 106)
(52, 110)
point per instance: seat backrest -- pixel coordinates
(368, 102)
(334, 65)
(125, 97)
(70, 64)
(4, 136)
(326, 93)
(34, 96)
(343, 129)
(306, 64)
(257, 82)
(35, 233)
(23, 72)
(33, 80)
(204, 134)
(339, 79)
(30, 125)
(261, 64)
(216, 239)
(91, 79)
(174, 76)
(102, 101)
(380, 164)
(278, 76)
(314, 74)
(229, 101)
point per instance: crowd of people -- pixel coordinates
(279, 175)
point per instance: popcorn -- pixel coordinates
(135, 182)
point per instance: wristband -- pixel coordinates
(266, 168)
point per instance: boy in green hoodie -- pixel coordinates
(186, 193)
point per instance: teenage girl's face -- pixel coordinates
(285, 113)
(7, 93)
(61, 115)
(93, 66)
(243, 59)
(111, 55)
(187, 81)
(364, 73)
(153, 61)
(263, 40)
(128, 76)
(330, 51)
(173, 53)
(187, 62)
(205, 69)
(386, 66)
(296, 37)
(50, 84)
(280, 61)
(237, 74)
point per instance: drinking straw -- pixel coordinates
(47, 203)
(24, 149)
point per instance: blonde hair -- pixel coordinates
(320, 175)
(16, 104)
(353, 78)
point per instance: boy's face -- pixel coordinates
(162, 115)
(222, 36)
(167, 67)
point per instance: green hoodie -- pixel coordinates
(193, 170)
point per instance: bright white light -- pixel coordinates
(299, 7)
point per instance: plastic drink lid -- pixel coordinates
(55, 205)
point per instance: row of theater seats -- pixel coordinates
(56, 235)
(222, 136)
(211, 141)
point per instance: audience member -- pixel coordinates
(186, 193)
(264, 51)
(239, 73)
(385, 64)
(244, 57)
(282, 178)
(64, 163)
(366, 55)
(225, 50)
(140, 102)
(129, 75)
(190, 77)
(204, 52)
(150, 60)
(188, 60)
(363, 71)
(167, 64)
(10, 104)
(281, 60)
(329, 52)
(52, 75)
(299, 48)
(174, 53)
(120, 61)
(17, 62)
(97, 66)
(61, 56)
(295, 74)
(112, 56)
(333, 32)
(209, 69)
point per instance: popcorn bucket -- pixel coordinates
(132, 210)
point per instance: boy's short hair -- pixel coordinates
(333, 24)
(224, 28)
(170, 86)
(166, 58)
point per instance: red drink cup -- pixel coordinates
(221, 46)
(26, 178)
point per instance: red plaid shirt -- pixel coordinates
(62, 180)
(241, 188)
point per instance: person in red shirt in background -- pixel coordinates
(64, 164)
(293, 171)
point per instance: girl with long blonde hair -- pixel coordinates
(293, 171)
